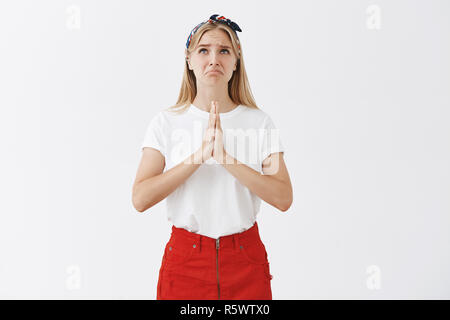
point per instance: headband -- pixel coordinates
(215, 18)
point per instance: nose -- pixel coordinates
(213, 59)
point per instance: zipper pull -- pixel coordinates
(217, 243)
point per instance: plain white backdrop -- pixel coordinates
(358, 89)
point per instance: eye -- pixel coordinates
(221, 50)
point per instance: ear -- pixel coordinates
(189, 65)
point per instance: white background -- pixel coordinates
(358, 89)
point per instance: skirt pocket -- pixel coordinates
(256, 254)
(177, 253)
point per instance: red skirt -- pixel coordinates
(196, 267)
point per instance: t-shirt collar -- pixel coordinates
(204, 114)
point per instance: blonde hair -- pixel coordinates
(238, 86)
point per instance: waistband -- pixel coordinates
(248, 236)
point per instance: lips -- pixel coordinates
(214, 71)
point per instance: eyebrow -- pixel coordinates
(208, 45)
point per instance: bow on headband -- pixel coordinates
(215, 18)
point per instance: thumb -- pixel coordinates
(218, 125)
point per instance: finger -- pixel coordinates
(213, 111)
(211, 132)
(212, 118)
(215, 114)
(216, 107)
(218, 124)
(212, 121)
(211, 127)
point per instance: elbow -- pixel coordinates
(284, 207)
(142, 204)
(137, 205)
(141, 207)
(285, 202)
(138, 202)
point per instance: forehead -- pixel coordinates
(215, 37)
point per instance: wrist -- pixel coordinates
(225, 158)
(195, 158)
(198, 156)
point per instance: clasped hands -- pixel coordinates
(212, 144)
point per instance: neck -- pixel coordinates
(206, 95)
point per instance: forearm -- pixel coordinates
(152, 190)
(266, 187)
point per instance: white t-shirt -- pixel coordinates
(212, 202)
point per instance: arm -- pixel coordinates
(274, 186)
(152, 185)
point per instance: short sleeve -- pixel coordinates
(154, 135)
(271, 141)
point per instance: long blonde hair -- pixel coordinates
(238, 86)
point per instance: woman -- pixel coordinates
(213, 191)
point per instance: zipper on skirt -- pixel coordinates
(217, 266)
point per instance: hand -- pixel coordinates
(206, 150)
(219, 150)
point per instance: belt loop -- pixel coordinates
(200, 243)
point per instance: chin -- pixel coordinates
(213, 79)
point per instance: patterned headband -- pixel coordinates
(215, 18)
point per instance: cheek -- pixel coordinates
(200, 62)
(231, 66)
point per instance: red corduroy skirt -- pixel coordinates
(196, 267)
